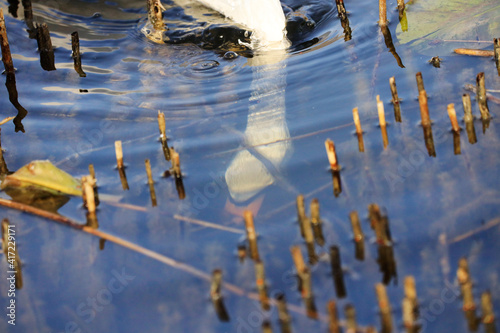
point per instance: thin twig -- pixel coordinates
(208, 224)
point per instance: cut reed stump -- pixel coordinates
(163, 135)
(283, 315)
(120, 165)
(382, 123)
(410, 306)
(305, 283)
(455, 128)
(359, 130)
(301, 213)
(496, 53)
(47, 60)
(251, 235)
(384, 308)
(395, 98)
(488, 316)
(350, 318)
(88, 184)
(77, 58)
(150, 182)
(359, 237)
(260, 280)
(469, 305)
(216, 296)
(382, 8)
(481, 97)
(424, 115)
(333, 317)
(334, 167)
(337, 273)
(469, 119)
(6, 55)
(316, 223)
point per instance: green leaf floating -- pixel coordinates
(432, 21)
(43, 175)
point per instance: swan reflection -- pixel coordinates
(257, 165)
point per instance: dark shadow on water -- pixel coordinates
(10, 83)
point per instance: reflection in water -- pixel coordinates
(10, 83)
(390, 45)
(4, 170)
(13, 7)
(255, 167)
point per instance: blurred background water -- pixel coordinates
(250, 132)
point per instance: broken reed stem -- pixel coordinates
(338, 274)
(215, 285)
(357, 123)
(481, 96)
(316, 222)
(283, 315)
(410, 304)
(424, 109)
(333, 317)
(384, 307)
(381, 119)
(301, 213)
(151, 185)
(358, 236)
(332, 155)
(496, 53)
(47, 60)
(395, 97)
(6, 55)
(266, 327)
(119, 154)
(453, 117)
(176, 163)
(475, 52)
(469, 119)
(401, 5)
(251, 234)
(465, 281)
(92, 171)
(77, 58)
(350, 318)
(382, 8)
(488, 316)
(260, 280)
(298, 259)
(161, 124)
(5, 236)
(420, 82)
(88, 193)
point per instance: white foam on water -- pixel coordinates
(265, 18)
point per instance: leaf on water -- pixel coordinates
(431, 21)
(43, 175)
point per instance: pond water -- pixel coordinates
(250, 132)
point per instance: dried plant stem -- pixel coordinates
(395, 97)
(151, 183)
(420, 82)
(453, 117)
(284, 318)
(333, 317)
(469, 119)
(119, 154)
(260, 280)
(77, 59)
(359, 130)
(163, 135)
(481, 97)
(251, 234)
(381, 119)
(88, 193)
(358, 236)
(424, 109)
(350, 318)
(382, 7)
(488, 316)
(384, 307)
(301, 213)
(496, 53)
(475, 52)
(332, 155)
(6, 55)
